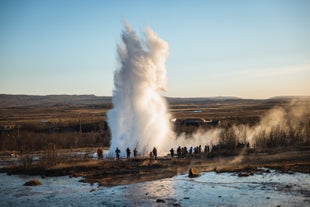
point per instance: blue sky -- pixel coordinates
(249, 49)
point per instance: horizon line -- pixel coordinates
(182, 97)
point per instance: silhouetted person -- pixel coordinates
(196, 150)
(135, 152)
(99, 153)
(185, 151)
(155, 152)
(117, 152)
(128, 152)
(172, 152)
(179, 152)
(191, 150)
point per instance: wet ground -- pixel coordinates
(264, 188)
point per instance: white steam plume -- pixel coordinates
(140, 117)
(281, 123)
(288, 120)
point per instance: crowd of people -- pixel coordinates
(181, 152)
(118, 152)
(128, 152)
(153, 153)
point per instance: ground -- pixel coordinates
(110, 172)
(63, 123)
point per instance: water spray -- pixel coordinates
(139, 117)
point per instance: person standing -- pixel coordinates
(155, 153)
(128, 152)
(172, 152)
(135, 152)
(117, 152)
(179, 152)
(99, 153)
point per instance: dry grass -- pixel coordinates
(71, 127)
(119, 172)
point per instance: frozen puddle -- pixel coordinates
(210, 189)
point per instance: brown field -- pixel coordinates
(110, 172)
(56, 126)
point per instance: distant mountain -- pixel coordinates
(203, 100)
(225, 98)
(7, 100)
(48, 100)
(290, 97)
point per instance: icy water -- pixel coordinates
(210, 189)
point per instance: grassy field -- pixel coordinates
(81, 121)
(111, 172)
(58, 128)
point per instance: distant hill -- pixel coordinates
(202, 99)
(49, 100)
(290, 97)
(7, 100)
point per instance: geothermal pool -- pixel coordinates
(210, 189)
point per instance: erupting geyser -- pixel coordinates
(139, 118)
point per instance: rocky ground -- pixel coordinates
(110, 172)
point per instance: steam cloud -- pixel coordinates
(285, 124)
(140, 117)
